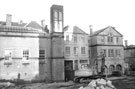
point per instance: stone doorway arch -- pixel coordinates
(111, 68)
(118, 67)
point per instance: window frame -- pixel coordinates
(41, 54)
(67, 50)
(26, 54)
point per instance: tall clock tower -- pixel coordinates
(57, 43)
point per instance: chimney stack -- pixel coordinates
(126, 43)
(21, 22)
(8, 20)
(91, 31)
(43, 23)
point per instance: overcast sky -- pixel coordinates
(99, 13)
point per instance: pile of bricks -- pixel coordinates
(99, 84)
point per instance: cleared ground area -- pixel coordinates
(124, 82)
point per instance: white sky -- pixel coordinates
(99, 13)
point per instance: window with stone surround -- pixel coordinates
(117, 39)
(103, 52)
(110, 52)
(110, 38)
(102, 39)
(41, 54)
(76, 64)
(67, 50)
(75, 39)
(67, 37)
(75, 50)
(82, 50)
(26, 54)
(8, 54)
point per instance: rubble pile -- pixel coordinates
(99, 84)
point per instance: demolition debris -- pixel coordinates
(99, 84)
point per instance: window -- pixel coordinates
(67, 37)
(75, 50)
(26, 54)
(68, 50)
(102, 39)
(110, 38)
(60, 16)
(75, 39)
(82, 38)
(56, 15)
(117, 52)
(83, 61)
(82, 50)
(117, 39)
(103, 52)
(110, 52)
(41, 54)
(8, 54)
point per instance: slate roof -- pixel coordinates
(99, 31)
(77, 30)
(23, 27)
(33, 24)
(18, 29)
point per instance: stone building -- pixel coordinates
(76, 50)
(24, 49)
(29, 52)
(107, 50)
(129, 57)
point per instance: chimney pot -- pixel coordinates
(8, 20)
(91, 31)
(43, 23)
(126, 43)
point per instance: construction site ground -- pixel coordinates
(123, 82)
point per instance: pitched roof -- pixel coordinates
(33, 24)
(77, 30)
(13, 23)
(18, 29)
(99, 31)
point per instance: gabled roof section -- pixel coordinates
(77, 30)
(99, 31)
(33, 24)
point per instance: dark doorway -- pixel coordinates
(69, 72)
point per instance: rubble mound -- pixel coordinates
(99, 84)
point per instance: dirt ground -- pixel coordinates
(119, 83)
